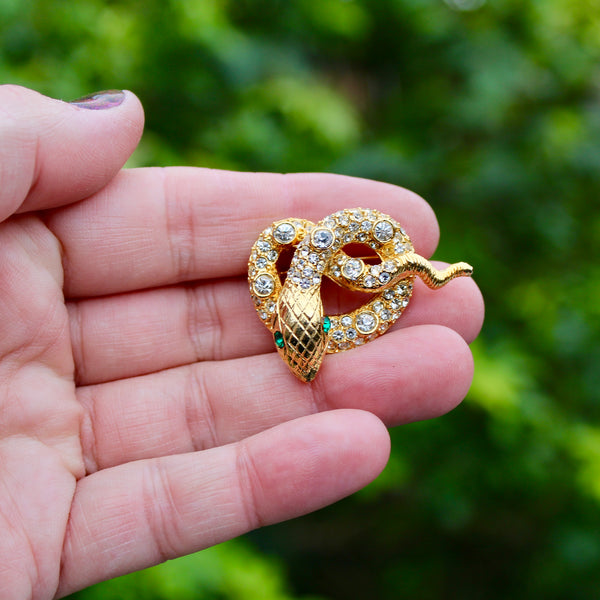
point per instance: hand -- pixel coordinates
(143, 411)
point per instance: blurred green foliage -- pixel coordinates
(490, 110)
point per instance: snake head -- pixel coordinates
(299, 336)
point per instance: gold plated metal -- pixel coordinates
(293, 310)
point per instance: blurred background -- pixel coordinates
(491, 111)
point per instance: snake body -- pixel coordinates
(293, 310)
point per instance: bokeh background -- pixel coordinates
(491, 111)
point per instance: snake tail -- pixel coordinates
(414, 264)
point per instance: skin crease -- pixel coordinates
(143, 411)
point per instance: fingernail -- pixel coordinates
(100, 100)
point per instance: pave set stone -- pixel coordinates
(320, 252)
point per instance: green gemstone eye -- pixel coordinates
(326, 324)
(278, 339)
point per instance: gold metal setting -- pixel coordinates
(293, 310)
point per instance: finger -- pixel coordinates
(53, 153)
(117, 337)
(406, 375)
(156, 227)
(143, 513)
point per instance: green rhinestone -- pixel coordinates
(278, 339)
(326, 324)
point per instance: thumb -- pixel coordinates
(53, 153)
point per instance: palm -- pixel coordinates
(147, 416)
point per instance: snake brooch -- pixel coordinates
(293, 309)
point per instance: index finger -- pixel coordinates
(156, 227)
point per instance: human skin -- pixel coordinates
(144, 413)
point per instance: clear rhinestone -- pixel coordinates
(273, 255)
(346, 321)
(329, 222)
(296, 279)
(351, 334)
(366, 225)
(366, 322)
(305, 284)
(359, 341)
(383, 231)
(338, 335)
(352, 269)
(386, 315)
(313, 258)
(394, 304)
(284, 233)
(263, 315)
(336, 271)
(370, 281)
(322, 238)
(343, 220)
(357, 214)
(316, 280)
(378, 306)
(353, 226)
(304, 252)
(344, 345)
(264, 285)
(388, 294)
(263, 246)
(400, 248)
(362, 237)
(389, 265)
(375, 270)
(384, 277)
(261, 262)
(271, 307)
(308, 272)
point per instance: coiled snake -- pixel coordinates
(293, 310)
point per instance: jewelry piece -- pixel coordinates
(293, 310)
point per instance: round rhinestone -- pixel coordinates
(351, 334)
(383, 231)
(370, 281)
(352, 269)
(378, 306)
(366, 225)
(353, 226)
(388, 294)
(284, 233)
(273, 255)
(263, 246)
(384, 277)
(322, 238)
(264, 285)
(366, 322)
(386, 315)
(389, 265)
(346, 321)
(338, 335)
(313, 258)
(261, 262)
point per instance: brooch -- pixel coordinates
(292, 309)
